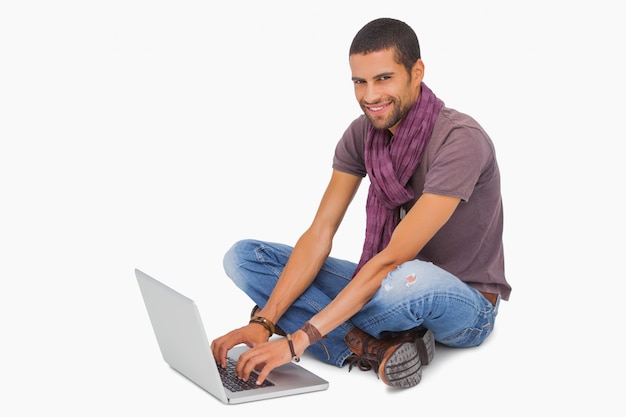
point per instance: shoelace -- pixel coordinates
(364, 364)
(366, 361)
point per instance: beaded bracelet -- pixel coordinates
(294, 357)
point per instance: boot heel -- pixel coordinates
(426, 347)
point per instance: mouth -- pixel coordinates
(376, 109)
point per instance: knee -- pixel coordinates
(237, 255)
(411, 274)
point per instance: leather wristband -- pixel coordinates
(314, 336)
(312, 332)
(264, 322)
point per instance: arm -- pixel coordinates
(425, 218)
(313, 247)
(309, 253)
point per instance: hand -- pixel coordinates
(251, 335)
(263, 358)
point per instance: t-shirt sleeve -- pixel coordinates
(459, 164)
(349, 151)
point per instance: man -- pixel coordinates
(432, 266)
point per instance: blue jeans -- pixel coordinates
(417, 293)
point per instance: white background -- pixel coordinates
(154, 134)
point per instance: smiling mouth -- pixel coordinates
(377, 108)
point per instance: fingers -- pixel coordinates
(246, 367)
(249, 335)
(263, 356)
(220, 347)
(263, 359)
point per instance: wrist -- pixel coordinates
(300, 341)
(295, 354)
(297, 342)
(268, 324)
(312, 335)
(312, 332)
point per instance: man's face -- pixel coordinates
(384, 89)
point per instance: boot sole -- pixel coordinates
(426, 347)
(403, 367)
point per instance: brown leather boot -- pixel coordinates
(396, 360)
(424, 340)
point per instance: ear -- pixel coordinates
(418, 71)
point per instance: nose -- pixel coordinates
(371, 94)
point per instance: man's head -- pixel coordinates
(386, 71)
(387, 33)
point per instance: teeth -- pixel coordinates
(376, 108)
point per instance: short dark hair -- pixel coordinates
(387, 33)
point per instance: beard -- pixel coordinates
(397, 112)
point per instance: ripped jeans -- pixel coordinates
(417, 293)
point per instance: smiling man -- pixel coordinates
(386, 97)
(432, 264)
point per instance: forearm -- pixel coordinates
(348, 302)
(426, 217)
(305, 262)
(354, 296)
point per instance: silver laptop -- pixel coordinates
(185, 347)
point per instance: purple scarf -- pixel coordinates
(390, 164)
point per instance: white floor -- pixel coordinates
(92, 352)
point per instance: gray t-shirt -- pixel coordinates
(460, 161)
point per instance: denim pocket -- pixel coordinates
(473, 336)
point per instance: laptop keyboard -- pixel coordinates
(233, 383)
